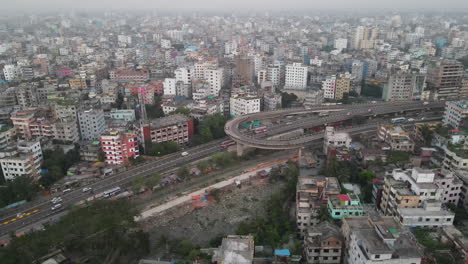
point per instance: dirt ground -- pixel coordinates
(220, 217)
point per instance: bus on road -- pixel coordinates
(112, 192)
(260, 130)
(227, 143)
(398, 120)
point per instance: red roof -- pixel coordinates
(343, 197)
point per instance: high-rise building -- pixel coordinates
(296, 76)
(92, 124)
(403, 86)
(274, 74)
(215, 79)
(169, 86)
(184, 75)
(244, 70)
(173, 128)
(444, 79)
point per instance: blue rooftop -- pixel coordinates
(282, 252)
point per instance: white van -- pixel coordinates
(185, 153)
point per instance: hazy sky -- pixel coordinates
(226, 4)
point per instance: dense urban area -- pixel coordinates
(157, 137)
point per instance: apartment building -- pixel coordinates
(323, 243)
(176, 128)
(343, 85)
(123, 114)
(92, 124)
(430, 215)
(119, 147)
(129, 75)
(311, 194)
(296, 76)
(445, 78)
(25, 160)
(396, 138)
(455, 112)
(7, 134)
(335, 139)
(342, 205)
(244, 104)
(379, 240)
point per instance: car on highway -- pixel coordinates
(86, 189)
(56, 206)
(425, 103)
(349, 113)
(66, 190)
(410, 119)
(185, 153)
(56, 200)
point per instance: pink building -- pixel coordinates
(119, 147)
(64, 72)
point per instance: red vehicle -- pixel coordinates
(260, 130)
(227, 143)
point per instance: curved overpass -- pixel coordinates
(343, 112)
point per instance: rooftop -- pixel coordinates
(169, 120)
(237, 250)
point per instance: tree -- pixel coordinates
(203, 165)
(427, 133)
(101, 155)
(106, 232)
(183, 172)
(396, 157)
(154, 111)
(287, 99)
(206, 134)
(182, 110)
(20, 188)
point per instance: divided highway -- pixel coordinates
(41, 211)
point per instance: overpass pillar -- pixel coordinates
(240, 149)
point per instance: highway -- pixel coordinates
(40, 211)
(345, 112)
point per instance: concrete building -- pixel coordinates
(235, 250)
(403, 86)
(124, 75)
(455, 113)
(244, 104)
(335, 139)
(343, 85)
(175, 128)
(454, 158)
(378, 240)
(342, 205)
(396, 138)
(296, 76)
(451, 187)
(11, 72)
(323, 244)
(329, 87)
(313, 98)
(274, 74)
(430, 215)
(184, 75)
(445, 79)
(26, 95)
(215, 79)
(92, 124)
(311, 194)
(7, 134)
(408, 189)
(26, 160)
(123, 114)
(66, 130)
(119, 147)
(340, 44)
(170, 86)
(271, 101)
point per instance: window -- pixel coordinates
(377, 256)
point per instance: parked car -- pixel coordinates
(67, 190)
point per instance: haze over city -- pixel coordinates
(234, 132)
